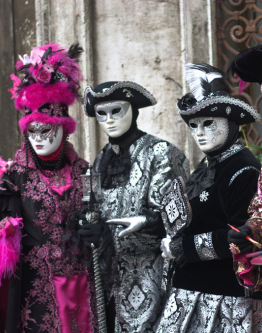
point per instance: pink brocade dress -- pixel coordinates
(53, 288)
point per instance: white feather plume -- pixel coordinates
(194, 76)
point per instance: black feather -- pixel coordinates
(47, 53)
(206, 86)
(220, 85)
(75, 51)
(24, 68)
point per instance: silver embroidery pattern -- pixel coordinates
(240, 171)
(138, 295)
(235, 148)
(194, 312)
(221, 99)
(204, 246)
(121, 84)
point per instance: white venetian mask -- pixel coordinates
(114, 117)
(210, 133)
(45, 138)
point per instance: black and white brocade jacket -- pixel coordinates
(137, 287)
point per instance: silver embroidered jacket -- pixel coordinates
(137, 289)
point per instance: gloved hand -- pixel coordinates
(238, 238)
(173, 249)
(91, 233)
(164, 247)
(133, 224)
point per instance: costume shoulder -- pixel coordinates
(177, 159)
(243, 162)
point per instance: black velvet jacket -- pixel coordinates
(209, 267)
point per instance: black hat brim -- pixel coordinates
(224, 106)
(117, 90)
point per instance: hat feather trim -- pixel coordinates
(199, 78)
(37, 94)
(68, 123)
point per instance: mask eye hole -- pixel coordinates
(31, 131)
(101, 113)
(208, 123)
(45, 131)
(193, 125)
(116, 111)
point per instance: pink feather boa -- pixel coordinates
(68, 123)
(10, 246)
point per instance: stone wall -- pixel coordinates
(138, 40)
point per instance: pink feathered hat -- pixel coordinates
(50, 84)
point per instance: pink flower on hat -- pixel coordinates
(43, 77)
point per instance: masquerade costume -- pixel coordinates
(52, 288)
(206, 296)
(135, 170)
(246, 66)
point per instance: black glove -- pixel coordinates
(238, 238)
(91, 232)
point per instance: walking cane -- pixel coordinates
(91, 193)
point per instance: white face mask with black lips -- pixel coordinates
(114, 117)
(44, 138)
(210, 133)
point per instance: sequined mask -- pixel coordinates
(114, 117)
(43, 131)
(44, 138)
(210, 133)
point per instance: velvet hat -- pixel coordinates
(247, 65)
(50, 83)
(211, 97)
(117, 90)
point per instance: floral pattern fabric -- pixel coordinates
(138, 262)
(47, 252)
(195, 312)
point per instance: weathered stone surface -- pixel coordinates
(17, 35)
(66, 22)
(140, 41)
(143, 41)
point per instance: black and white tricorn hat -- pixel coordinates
(211, 97)
(117, 90)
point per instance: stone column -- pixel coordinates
(197, 46)
(65, 22)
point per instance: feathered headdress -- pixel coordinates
(50, 84)
(210, 97)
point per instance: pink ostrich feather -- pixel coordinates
(16, 83)
(39, 94)
(3, 167)
(10, 246)
(68, 123)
